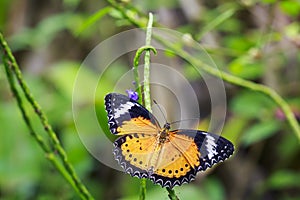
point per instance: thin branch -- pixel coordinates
(147, 98)
(199, 65)
(172, 194)
(14, 90)
(135, 68)
(66, 169)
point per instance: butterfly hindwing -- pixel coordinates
(177, 161)
(127, 153)
(126, 116)
(165, 166)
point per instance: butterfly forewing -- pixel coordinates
(126, 116)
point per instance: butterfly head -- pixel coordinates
(167, 126)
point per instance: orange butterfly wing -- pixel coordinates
(173, 161)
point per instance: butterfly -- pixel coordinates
(167, 157)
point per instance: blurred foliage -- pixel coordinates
(255, 40)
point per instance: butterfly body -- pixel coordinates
(167, 157)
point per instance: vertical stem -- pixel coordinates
(147, 99)
(135, 68)
(172, 194)
(137, 80)
(143, 189)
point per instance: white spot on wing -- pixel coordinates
(211, 146)
(122, 109)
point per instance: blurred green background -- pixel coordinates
(255, 40)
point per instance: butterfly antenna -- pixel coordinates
(182, 120)
(160, 111)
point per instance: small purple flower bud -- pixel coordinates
(279, 114)
(132, 94)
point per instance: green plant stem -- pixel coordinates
(172, 194)
(137, 80)
(215, 22)
(140, 51)
(123, 10)
(135, 67)
(136, 75)
(147, 98)
(147, 101)
(92, 19)
(66, 170)
(143, 189)
(199, 65)
(14, 90)
(49, 155)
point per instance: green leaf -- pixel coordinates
(290, 7)
(216, 21)
(71, 3)
(21, 160)
(214, 189)
(268, 1)
(292, 31)
(62, 75)
(156, 4)
(234, 127)
(238, 43)
(4, 4)
(284, 179)
(76, 152)
(93, 19)
(246, 67)
(260, 132)
(252, 105)
(45, 31)
(288, 148)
